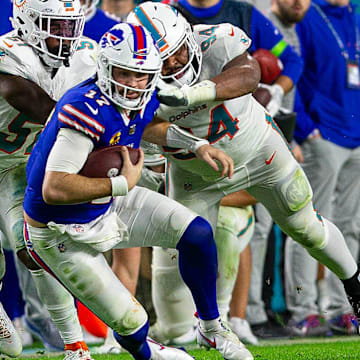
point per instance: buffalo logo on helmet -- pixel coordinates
(112, 38)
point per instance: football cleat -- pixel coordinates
(10, 342)
(161, 352)
(242, 329)
(77, 351)
(224, 341)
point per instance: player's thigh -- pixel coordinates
(152, 219)
(86, 274)
(12, 189)
(193, 192)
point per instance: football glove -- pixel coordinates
(277, 94)
(188, 95)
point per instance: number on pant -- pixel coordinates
(17, 136)
(222, 123)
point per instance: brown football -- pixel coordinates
(107, 162)
(270, 66)
(262, 95)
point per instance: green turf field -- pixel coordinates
(344, 348)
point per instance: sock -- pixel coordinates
(198, 266)
(136, 343)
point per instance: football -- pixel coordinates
(270, 65)
(262, 95)
(107, 162)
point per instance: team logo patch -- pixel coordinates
(19, 3)
(78, 228)
(116, 36)
(68, 5)
(132, 129)
(115, 139)
(244, 40)
(187, 186)
(62, 247)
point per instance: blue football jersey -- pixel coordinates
(85, 109)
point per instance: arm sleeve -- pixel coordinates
(68, 143)
(266, 36)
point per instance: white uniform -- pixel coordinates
(18, 132)
(262, 160)
(17, 137)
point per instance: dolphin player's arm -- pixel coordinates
(26, 97)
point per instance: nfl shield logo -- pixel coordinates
(187, 186)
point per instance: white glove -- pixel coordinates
(188, 95)
(277, 94)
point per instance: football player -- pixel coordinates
(84, 217)
(39, 60)
(208, 79)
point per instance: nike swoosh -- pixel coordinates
(8, 45)
(162, 347)
(94, 111)
(269, 161)
(212, 343)
(232, 32)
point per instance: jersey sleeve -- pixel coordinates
(79, 116)
(221, 43)
(10, 60)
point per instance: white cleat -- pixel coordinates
(110, 346)
(161, 352)
(242, 329)
(77, 351)
(224, 341)
(78, 354)
(10, 342)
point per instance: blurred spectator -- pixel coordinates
(119, 8)
(284, 14)
(329, 132)
(5, 14)
(262, 5)
(97, 20)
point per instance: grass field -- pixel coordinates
(344, 348)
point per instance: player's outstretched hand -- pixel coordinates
(209, 154)
(188, 95)
(129, 170)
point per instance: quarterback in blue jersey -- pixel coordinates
(71, 219)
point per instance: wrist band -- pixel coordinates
(119, 185)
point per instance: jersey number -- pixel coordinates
(9, 143)
(211, 37)
(222, 123)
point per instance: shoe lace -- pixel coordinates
(78, 354)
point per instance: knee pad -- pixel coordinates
(133, 320)
(172, 299)
(306, 227)
(294, 192)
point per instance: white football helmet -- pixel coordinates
(170, 30)
(38, 20)
(89, 8)
(128, 47)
